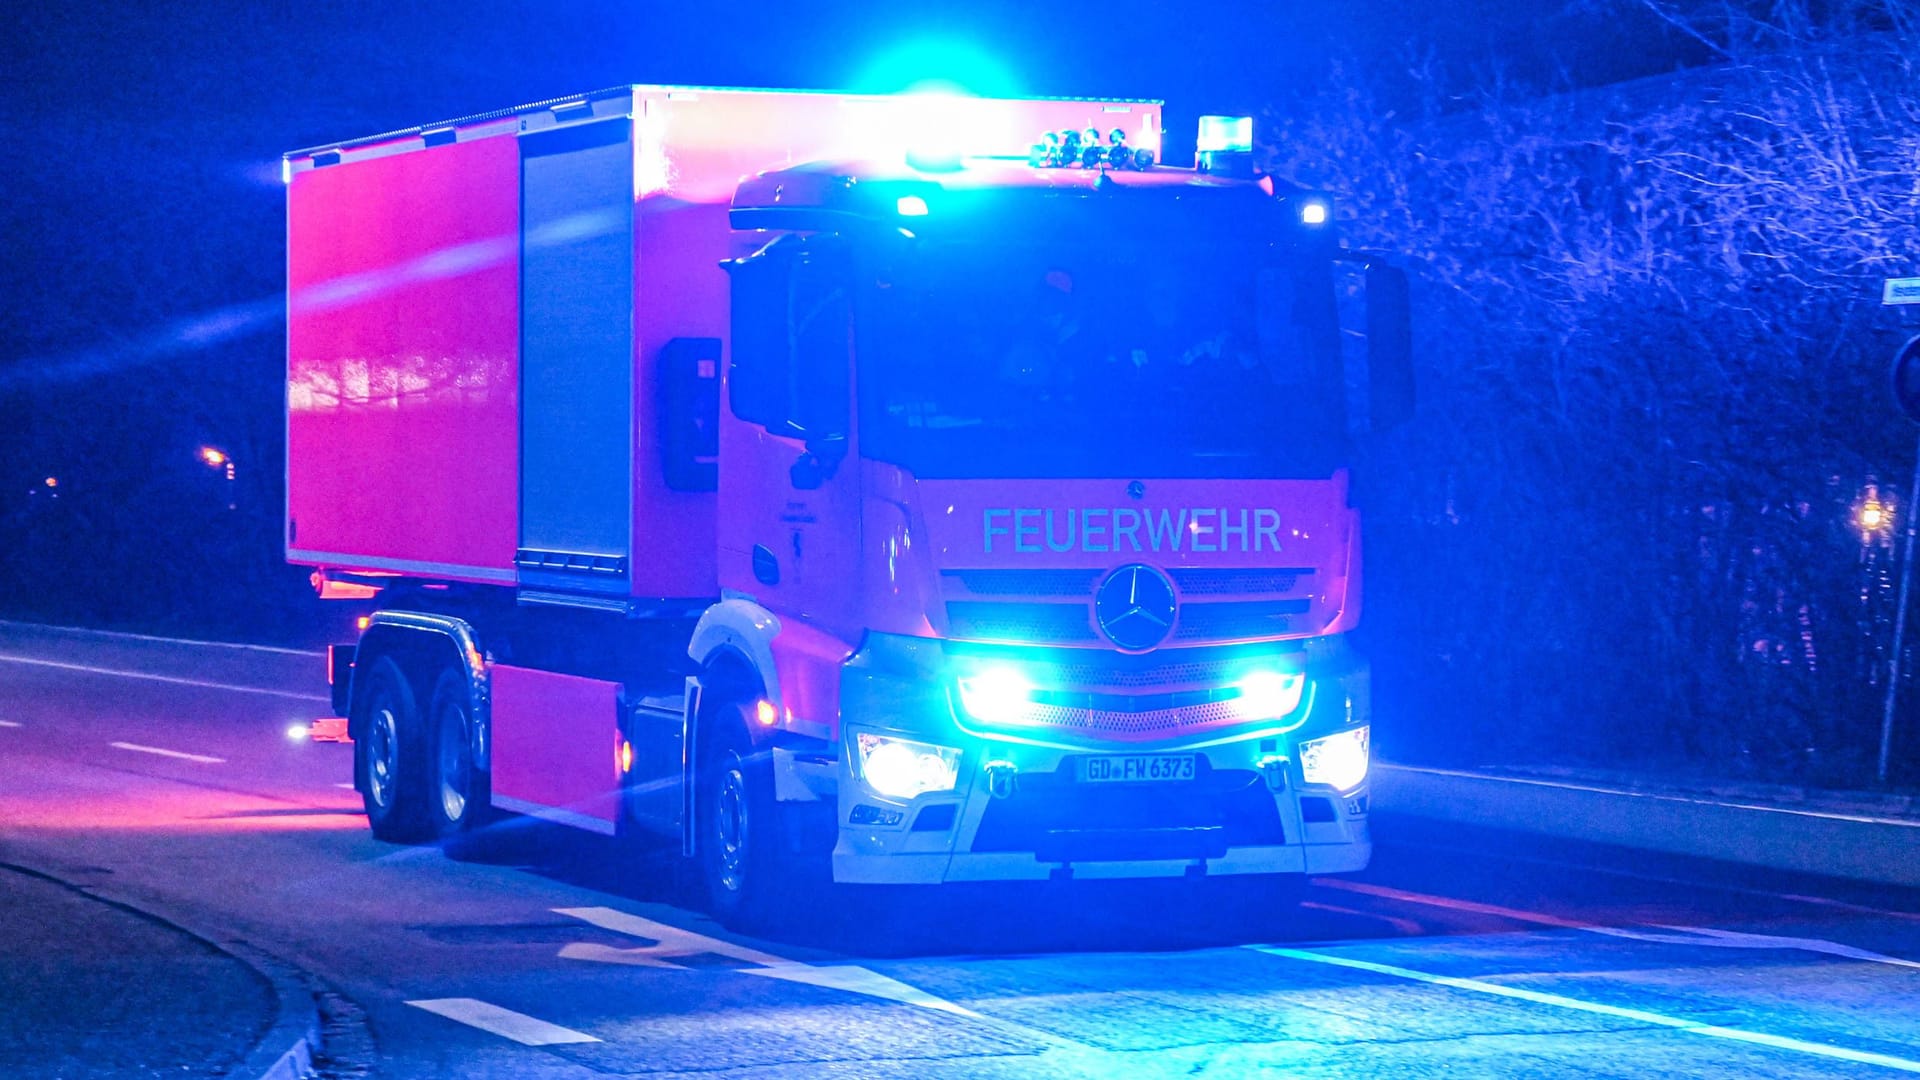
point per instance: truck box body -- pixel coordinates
(478, 313)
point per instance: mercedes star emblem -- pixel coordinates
(1135, 606)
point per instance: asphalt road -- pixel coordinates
(165, 768)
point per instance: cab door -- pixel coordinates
(789, 488)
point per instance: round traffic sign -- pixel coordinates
(1906, 379)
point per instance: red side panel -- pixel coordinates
(553, 746)
(403, 361)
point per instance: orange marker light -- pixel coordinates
(765, 713)
(626, 756)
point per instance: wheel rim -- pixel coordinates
(730, 819)
(456, 764)
(383, 759)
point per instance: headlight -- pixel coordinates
(902, 768)
(996, 695)
(1338, 761)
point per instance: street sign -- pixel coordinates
(1901, 290)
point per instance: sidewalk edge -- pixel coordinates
(287, 1049)
(1859, 847)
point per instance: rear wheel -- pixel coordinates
(459, 792)
(390, 756)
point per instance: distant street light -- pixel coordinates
(53, 481)
(217, 458)
(1873, 517)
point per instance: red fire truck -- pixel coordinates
(920, 488)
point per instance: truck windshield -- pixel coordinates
(1113, 358)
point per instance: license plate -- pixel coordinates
(1137, 768)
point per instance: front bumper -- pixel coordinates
(1020, 811)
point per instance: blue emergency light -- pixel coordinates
(1225, 146)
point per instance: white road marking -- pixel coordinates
(9, 723)
(1515, 993)
(1703, 936)
(122, 673)
(1404, 926)
(83, 632)
(519, 1027)
(672, 943)
(1526, 781)
(859, 980)
(182, 755)
(349, 787)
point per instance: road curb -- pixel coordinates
(1859, 846)
(287, 1050)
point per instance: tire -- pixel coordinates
(458, 793)
(738, 832)
(390, 761)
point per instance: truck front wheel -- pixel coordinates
(390, 756)
(737, 832)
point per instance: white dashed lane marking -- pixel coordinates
(178, 754)
(521, 1028)
(9, 723)
(1537, 997)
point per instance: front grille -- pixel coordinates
(1072, 624)
(1040, 624)
(1062, 820)
(1130, 726)
(1074, 583)
(1238, 621)
(1095, 670)
(1195, 581)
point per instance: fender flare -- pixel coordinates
(742, 627)
(468, 659)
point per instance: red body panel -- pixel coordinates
(403, 316)
(403, 344)
(553, 743)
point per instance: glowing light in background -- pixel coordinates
(1872, 516)
(939, 66)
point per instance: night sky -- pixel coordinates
(142, 184)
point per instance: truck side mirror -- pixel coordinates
(690, 413)
(1389, 347)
